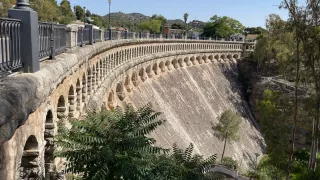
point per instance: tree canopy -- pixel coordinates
(79, 11)
(176, 26)
(227, 128)
(153, 26)
(222, 27)
(115, 145)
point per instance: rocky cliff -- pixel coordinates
(191, 99)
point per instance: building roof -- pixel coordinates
(252, 36)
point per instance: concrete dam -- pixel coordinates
(191, 99)
(191, 81)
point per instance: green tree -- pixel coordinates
(254, 30)
(4, 6)
(160, 18)
(193, 166)
(48, 10)
(176, 26)
(66, 12)
(275, 112)
(79, 11)
(230, 163)
(88, 13)
(222, 27)
(153, 26)
(227, 128)
(111, 145)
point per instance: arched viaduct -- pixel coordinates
(92, 77)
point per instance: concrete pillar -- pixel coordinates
(102, 35)
(29, 35)
(118, 34)
(71, 36)
(148, 35)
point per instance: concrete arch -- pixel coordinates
(71, 100)
(49, 145)
(127, 84)
(101, 69)
(90, 82)
(229, 57)
(193, 60)
(175, 63)
(162, 66)
(134, 79)
(168, 65)
(217, 58)
(199, 59)
(223, 57)
(29, 166)
(142, 75)
(181, 62)
(211, 57)
(120, 91)
(187, 61)
(111, 100)
(235, 56)
(149, 71)
(84, 88)
(205, 58)
(78, 95)
(155, 69)
(96, 76)
(61, 108)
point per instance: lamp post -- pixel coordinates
(84, 17)
(22, 4)
(109, 25)
(140, 27)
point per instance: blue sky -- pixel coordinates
(248, 12)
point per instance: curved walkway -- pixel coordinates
(230, 173)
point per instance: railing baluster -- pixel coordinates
(10, 58)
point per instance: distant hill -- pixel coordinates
(132, 20)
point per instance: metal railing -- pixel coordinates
(86, 36)
(80, 36)
(114, 35)
(106, 35)
(10, 57)
(97, 35)
(144, 35)
(130, 35)
(52, 39)
(45, 33)
(60, 40)
(122, 34)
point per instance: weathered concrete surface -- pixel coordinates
(192, 98)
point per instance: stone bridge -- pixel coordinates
(94, 77)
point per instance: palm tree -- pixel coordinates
(185, 17)
(111, 144)
(227, 128)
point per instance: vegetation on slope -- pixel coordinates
(114, 145)
(289, 112)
